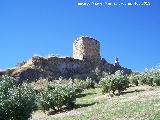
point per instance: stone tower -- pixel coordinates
(86, 48)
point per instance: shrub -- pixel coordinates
(70, 96)
(96, 75)
(105, 83)
(78, 86)
(134, 79)
(119, 83)
(88, 83)
(135, 82)
(84, 84)
(114, 83)
(157, 79)
(149, 81)
(143, 79)
(57, 96)
(151, 77)
(146, 79)
(16, 102)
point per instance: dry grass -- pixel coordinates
(137, 103)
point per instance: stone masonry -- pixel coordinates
(86, 48)
(86, 59)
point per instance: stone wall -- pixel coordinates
(54, 67)
(86, 59)
(86, 48)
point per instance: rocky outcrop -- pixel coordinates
(54, 67)
(86, 58)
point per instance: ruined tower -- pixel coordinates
(86, 48)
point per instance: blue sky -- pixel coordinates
(43, 27)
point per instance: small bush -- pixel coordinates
(114, 83)
(151, 77)
(146, 79)
(105, 83)
(135, 82)
(149, 81)
(157, 81)
(57, 96)
(143, 80)
(156, 78)
(134, 79)
(88, 83)
(84, 84)
(96, 75)
(16, 102)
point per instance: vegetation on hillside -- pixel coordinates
(63, 95)
(16, 101)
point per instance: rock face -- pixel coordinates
(54, 67)
(86, 59)
(86, 48)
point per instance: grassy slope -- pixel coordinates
(137, 103)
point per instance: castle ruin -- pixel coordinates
(86, 59)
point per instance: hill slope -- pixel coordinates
(137, 103)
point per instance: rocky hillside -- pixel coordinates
(54, 67)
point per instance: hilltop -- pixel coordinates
(85, 61)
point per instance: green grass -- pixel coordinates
(142, 102)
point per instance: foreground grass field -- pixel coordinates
(136, 103)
